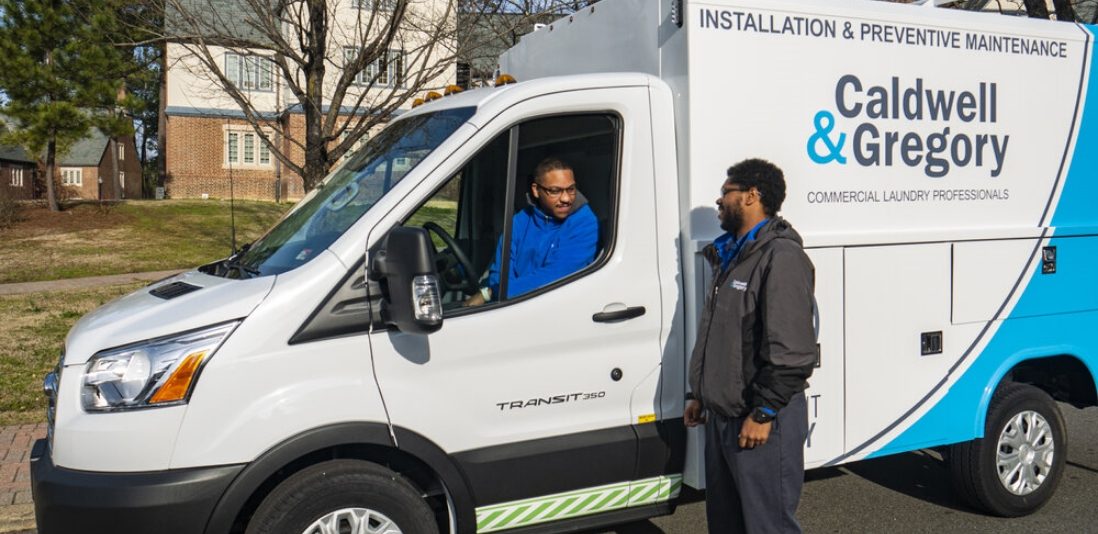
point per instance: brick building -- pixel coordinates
(18, 172)
(86, 169)
(209, 147)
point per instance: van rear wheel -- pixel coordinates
(1015, 468)
(344, 496)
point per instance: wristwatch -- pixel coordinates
(763, 415)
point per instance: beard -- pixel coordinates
(731, 218)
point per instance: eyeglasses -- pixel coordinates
(555, 192)
(726, 190)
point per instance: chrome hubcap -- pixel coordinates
(1025, 453)
(353, 521)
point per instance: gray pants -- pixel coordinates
(755, 491)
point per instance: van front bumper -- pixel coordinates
(166, 502)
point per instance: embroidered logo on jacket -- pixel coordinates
(738, 285)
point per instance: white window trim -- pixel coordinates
(393, 69)
(258, 147)
(357, 145)
(75, 176)
(16, 177)
(247, 65)
(383, 5)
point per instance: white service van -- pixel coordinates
(939, 165)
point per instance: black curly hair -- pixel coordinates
(764, 176)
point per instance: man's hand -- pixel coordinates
(476, 300)
(693, 415)
(753, 434)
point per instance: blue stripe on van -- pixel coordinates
(1030, 331)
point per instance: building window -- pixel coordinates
(386, 70)
(251, 73)
(121, 152)
(243, 147)
(381, 5)
(16, 177)
(357, 145)
(233, 151)
(71, 176)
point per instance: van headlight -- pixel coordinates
(152, 373)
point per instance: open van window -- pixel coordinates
(347, 193)
(466, 216)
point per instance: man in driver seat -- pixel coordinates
(552, 237)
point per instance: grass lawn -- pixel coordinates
(86, 240)
(135, 236)
(32, 334)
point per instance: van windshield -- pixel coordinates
(334, 205)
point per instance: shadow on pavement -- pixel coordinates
(916, 474)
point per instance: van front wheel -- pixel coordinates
(1015, 468)
(344, 496)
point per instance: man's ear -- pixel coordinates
(534, 190)
(755, 198)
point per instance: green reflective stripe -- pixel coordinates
(633, 494)
(585, 502)
(562, 506)
(575, 503)
(676, 486)
(533, 515)
(647, 495)
(623, 501)
(488, 519)
(602, 504)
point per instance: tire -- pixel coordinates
(342, 492)
(1024, 423)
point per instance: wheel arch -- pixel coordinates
(1064, 376)
(416, 457)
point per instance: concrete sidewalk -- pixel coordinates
(83, 283)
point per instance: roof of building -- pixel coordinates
(87, 152)
(218, 20)
(14, 153)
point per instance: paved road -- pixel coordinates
(911, 493)
(899, 494)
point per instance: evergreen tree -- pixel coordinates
(61, 75)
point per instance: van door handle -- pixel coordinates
(618, 315)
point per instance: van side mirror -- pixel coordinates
(404, 267)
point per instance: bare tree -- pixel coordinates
(346, 65)
(490, 27)
(1065, 10)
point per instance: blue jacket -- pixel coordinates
(545, 249)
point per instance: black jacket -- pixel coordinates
(756, 343)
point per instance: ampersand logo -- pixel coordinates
(824, 123)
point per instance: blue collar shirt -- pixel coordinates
(728, 247)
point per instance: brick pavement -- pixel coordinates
(15, 446)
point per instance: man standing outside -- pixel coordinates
(554, 236)
(755, 350)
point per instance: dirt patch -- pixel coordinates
(37, 220)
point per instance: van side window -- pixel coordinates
(492, 247)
